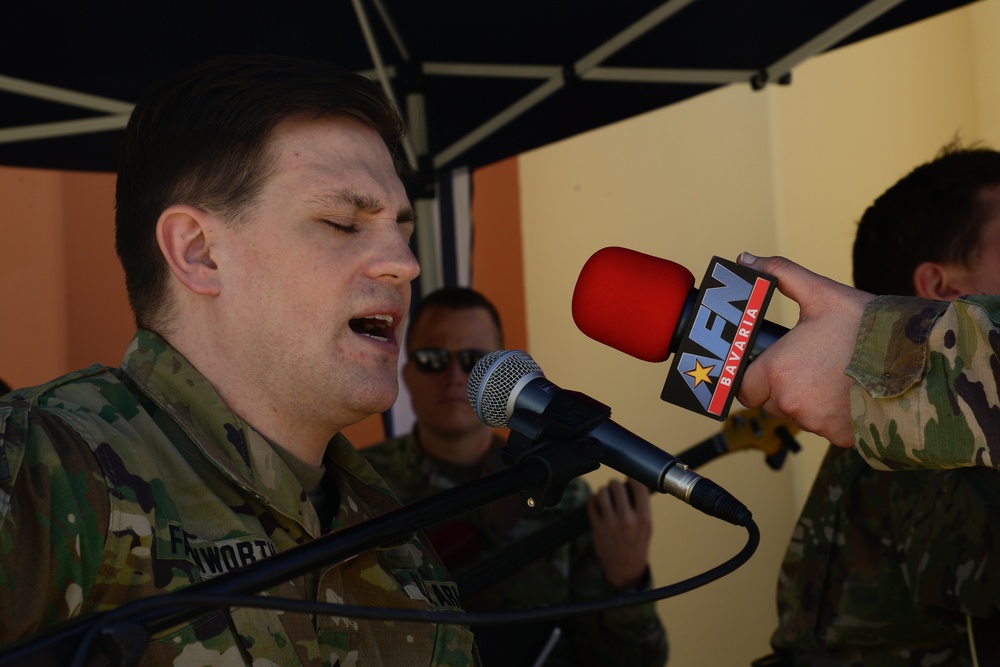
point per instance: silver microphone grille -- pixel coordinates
(493, 378)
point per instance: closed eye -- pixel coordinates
(350, 228)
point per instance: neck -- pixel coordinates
(244, 393)
(466, 448)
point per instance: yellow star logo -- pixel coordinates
(700, 373)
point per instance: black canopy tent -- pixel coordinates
(476, 81)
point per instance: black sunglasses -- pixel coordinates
(436, 359)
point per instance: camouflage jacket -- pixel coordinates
(883, 567)
(927, 383)
(127, 483)
(570, 573)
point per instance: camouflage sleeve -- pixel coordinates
(54, 511)
(624, 636)
(927, 376)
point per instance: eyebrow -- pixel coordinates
(365, 203)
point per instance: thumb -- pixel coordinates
(794, 281)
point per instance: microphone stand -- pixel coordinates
(484, 572)
(750, 428)
(540, 477)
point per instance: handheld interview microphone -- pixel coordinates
(648, 307)
(506, 382)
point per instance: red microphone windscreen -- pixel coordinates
(631, 301)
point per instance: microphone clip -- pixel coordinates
(558, 438)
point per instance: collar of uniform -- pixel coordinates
(239, 452)
(493, 461)
(343, 456)
(407, 468)
(363, 492)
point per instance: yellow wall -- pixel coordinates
(788, 170)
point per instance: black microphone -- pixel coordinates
(506, 382)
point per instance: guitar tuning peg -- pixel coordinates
(787, 439)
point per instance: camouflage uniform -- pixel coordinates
(571, 573)
(929, 368)
(127, 483)
(884, 567)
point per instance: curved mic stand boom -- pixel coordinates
(747, 429)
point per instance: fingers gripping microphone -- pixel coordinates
(506, 381)
(648, 307)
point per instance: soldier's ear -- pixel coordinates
(184, 234)
(944, 282)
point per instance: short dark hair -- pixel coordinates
(456, 298)
(4, 387)
(202, 137)
(933, 214)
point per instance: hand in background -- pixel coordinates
(622, 531)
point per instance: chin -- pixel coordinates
(371, 391)
(382, 401)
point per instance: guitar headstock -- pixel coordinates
(754, 428)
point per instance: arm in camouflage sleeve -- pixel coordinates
(624, 636)
(628, 635)
(927, 377)
(54, 511)
(917, 376)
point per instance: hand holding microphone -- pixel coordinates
(642, 305)
(802, 376)
(647, 307)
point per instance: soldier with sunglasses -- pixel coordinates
(450, 330)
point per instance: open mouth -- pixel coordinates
(378, 327)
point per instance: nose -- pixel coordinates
(394, 259)
(454, 371)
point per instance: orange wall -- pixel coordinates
(64, 304)
(97, 309)
(55, 238)
(497, 264)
